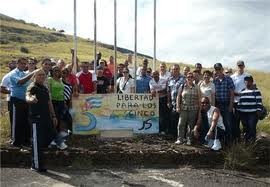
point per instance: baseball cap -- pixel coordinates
(217, 66)
(240, 63)
(248, 78)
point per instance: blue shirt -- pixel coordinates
(142, 84)
(223, 87)
(17, 90)
(173, 86)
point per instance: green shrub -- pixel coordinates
(240, 156)
(24, 49)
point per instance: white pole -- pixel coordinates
(135, 43)
(75, 37)
(115, 44)
(95, 35)
(154, 62)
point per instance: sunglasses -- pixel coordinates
(204, 102)
(125, 72)
(189, 77)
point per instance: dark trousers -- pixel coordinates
(21, 130)
(10, 111)
(205, 126)
(227, 120)
(249, 121)
(43, 133)
(163, 115)
(37, 154)
(235, 124)
(174, 118)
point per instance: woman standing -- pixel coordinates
(125, 83)
(249, 106)
(207, 87)
(42, 118)
(56, 88)
(188, 105)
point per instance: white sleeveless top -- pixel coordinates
(210, 113)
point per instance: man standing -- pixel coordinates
(224, 99)
(158, 87)
(239, 83)
(87, 80)
(6, 88)
(142, 82)
(145, 64)
(164, 74)
(198, 68)
(20, 124)
(129, 64)
(111, 65)
(174, 82)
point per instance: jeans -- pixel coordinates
(163, 115)
(174, 117)
(205, 126)
(227, 120)
(236, 124)
(249, 121)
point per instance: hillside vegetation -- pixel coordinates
(47, 42)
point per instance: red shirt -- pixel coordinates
(111, 68)
(72, 80)
(107, 73)
(86, 84)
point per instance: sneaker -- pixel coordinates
(217, 145)
(69, 132)
(39, 169)
(62, 146)
(23, 150)
(188, 141)
(208, 143)
(52, 144)
(63, 134)
(178, 142)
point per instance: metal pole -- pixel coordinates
(115, 45)
(154, 61)
(135, 43)
(74, 67)
(95, 35)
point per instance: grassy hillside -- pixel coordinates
(45, 42)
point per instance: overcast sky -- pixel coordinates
(190, 31)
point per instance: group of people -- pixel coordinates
(193, 106)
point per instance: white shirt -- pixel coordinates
(157, 86)
(125, 86)
(166, 75)
(6, 83)
(210, 114)
(139, 70)
(207, 90)
(239, 83)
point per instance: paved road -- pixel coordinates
(132, 177)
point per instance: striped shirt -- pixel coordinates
(250, 101)
(67, 91)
